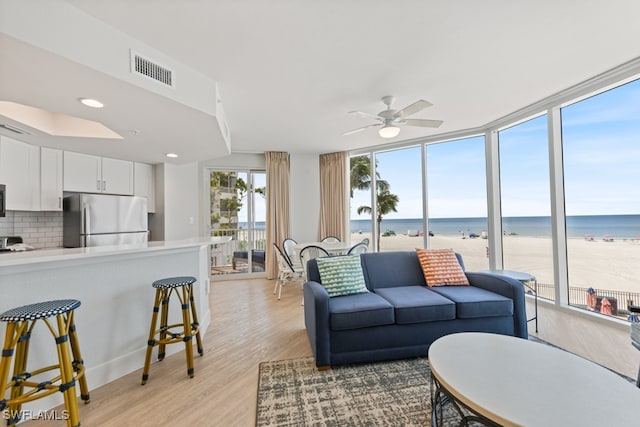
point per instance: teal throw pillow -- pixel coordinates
(342, 275)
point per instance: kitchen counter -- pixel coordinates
(39, 256)
(113, 284)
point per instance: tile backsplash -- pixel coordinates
(38, 229)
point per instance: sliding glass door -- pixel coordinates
(237, 213)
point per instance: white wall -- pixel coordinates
(181, 217)
(305, 197)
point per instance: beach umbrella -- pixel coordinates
(606, 307)
(592, 300)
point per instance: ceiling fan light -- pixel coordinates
(388, 131)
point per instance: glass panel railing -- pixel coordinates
(244, 253)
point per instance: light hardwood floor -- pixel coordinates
(249, 325)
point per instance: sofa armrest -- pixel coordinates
(509, 288)
(316, 320)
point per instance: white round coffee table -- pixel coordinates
(502, 380)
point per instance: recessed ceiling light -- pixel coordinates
(93, 103)
(172, 155)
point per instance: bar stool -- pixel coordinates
(24, 387)
(178, 332)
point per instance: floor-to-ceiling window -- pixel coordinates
(361, 223)
(399, 199)
(457, 199)
(525, 202)
(238, 211)
(601, 153)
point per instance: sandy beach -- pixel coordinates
(597, 264)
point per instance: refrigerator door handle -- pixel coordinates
(86, 221)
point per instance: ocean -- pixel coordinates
(617, 226)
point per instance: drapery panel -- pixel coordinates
(278, 216)
(334, 195)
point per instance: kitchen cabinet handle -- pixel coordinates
(98, 185)
(104, 185)
(59, 202)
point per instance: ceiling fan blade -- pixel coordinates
(422, 123)
(420, 104)
(366, 115)
(351, 132)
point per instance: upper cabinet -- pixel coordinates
(20, 172)
(36, 177)
(117, 176)
(144, 184)
(50, 179)
(93, 174)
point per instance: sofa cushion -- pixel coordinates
(441, 267)
(341, 275)
(391, 269)
(415, 304)
(359, 311)
(472, 302)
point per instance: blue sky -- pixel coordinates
(601, 137)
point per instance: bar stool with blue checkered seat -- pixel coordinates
(177, 332)
(28, 385)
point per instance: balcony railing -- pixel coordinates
(244, 253)
(578, 297)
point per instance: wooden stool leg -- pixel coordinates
(152, 334)
(186, 321)
(67, 381)
(196, 322)
(78, 363)
(164, 322)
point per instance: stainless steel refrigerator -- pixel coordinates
(99, 220)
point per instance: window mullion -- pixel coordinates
(558, 224)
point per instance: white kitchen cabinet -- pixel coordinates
(82, 172)
(50, 179)
(144, 185)
(117, 176)
(20, 172)
(93, 174)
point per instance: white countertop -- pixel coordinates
(63, 254)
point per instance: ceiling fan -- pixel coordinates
(390, 120)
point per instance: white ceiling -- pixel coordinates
(289, 71)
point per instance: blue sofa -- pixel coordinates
(401, 316)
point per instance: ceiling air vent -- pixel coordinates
(148, 68)
(14, 129)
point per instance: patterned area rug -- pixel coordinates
(294, 393)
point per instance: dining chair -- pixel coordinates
(289, 250)
(358, 248)
(330, 239)
(311, 252)
(365, 241)
(286, 271)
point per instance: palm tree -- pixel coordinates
(360, 168)
(385, 203)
